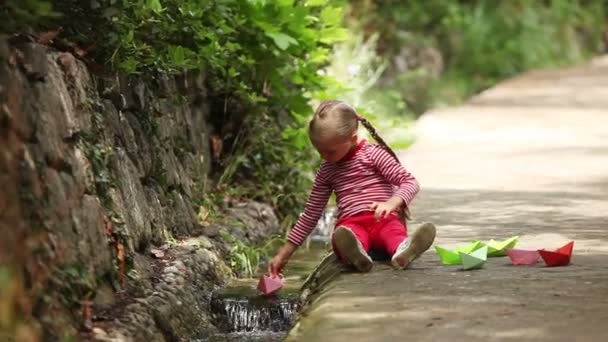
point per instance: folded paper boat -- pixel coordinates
(523, 256)
(452, 257)
(269, 285)
(498, 248)
(559, 257)
(475, 259)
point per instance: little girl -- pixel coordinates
(371, 188)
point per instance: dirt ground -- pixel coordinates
(529, 158)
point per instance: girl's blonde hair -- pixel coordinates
(334, 117)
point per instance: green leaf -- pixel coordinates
(284, 3)
(319, 55)
(314, 3)
(255, 98)
(331, 16)
(333, 35)
(282, 40)
(232, 72)
(128, 65)
(128, 38)
(297, 79)
(180, 56)
(155, 5)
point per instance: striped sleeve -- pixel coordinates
(317, 200)
(395, 173)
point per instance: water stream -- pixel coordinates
(242, 314)
(245, 315)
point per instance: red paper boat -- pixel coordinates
(270, 285)
(561, 257)
(522, 256)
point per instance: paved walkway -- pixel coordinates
(528, 157)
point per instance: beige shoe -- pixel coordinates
(350, 248)
(412, 247)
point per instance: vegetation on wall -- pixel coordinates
(260, 58)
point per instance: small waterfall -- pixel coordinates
(254, 314)
(240, 313)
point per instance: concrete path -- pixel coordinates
(528, 157)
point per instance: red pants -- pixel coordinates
(384, 235)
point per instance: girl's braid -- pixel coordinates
(377, 137)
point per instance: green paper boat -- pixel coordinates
(452, 257)
(499, 248)
(475, 259)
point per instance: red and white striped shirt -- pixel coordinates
(367, 174)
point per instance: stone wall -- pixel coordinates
(95, 172)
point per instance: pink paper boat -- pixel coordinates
(269, 285)
(560, 257)
(522, 256)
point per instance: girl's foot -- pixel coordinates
(351, 249)
(412, 247)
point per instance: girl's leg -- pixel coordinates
(351, 242)
(412, 247)
(391, 235)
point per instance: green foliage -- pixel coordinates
(265, 170)
(492, 40)
(481, 41)
(254, 51)
(263, 55)
(245, 259)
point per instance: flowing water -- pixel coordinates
(246, 315)
(264, 336)
(242, 314)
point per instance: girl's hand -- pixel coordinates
(276, 264)
(383, 209)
